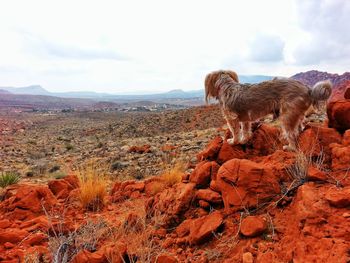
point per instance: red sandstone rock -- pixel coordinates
(137, 186)
(165, 258)
(85, 256)
(347, 93)
(62, 187)
(279, 161)
(316, 140)
(340, 91)
(140, 149)
(244, 183)
(184, 228)
(27, 201)
(228, 152)
(340, 157)
(315, 174)
(202, 229)
(339, 115)
(211, 151)
(35, 239)
(203, 204)
(5, 223)
(339, 197)
(265, 140)
(204, 172)
(346, 138)
(114, 253)
(12, 235)
(209, 196)
(247, 258)
(253, 226)
(171, 203)
(127, 189)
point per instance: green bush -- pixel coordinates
(8, 178)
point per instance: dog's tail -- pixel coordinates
(321, 92)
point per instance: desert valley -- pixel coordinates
(153, 179)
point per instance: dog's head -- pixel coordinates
(211, 90)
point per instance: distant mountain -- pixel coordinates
(311, 77)
(41, 102)
(2, 91)
(340, 82)
(173, 94)
(30, 90)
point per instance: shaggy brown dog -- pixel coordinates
(243, 103)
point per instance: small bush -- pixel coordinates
(54, 168)
(157, 187)
(93, 187)
(173, 175)
(59, 175)
(8, 178)
(69, 147)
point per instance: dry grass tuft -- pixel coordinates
(157, 187)
(173, 174)
(93, 186)
(142, 242)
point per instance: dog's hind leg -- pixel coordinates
(290, 126)
(246, 132)
(233, 125)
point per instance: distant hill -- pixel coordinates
(30, 90)
(2, 91)
(41, 102)
(173, 94)
(311, 77)
(340, 82)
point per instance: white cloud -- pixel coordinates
(267, 48)
(146, 46)
(327, 25)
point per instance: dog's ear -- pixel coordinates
(233, 75)
(209, 84)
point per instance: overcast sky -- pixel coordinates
(159, 45)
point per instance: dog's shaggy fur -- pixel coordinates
(242, 104)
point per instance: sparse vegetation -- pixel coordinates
(93, 186)
(9, 178)
(173, 174)
(64, 247)
(69, 147)
(59, 175)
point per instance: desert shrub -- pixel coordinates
(8, 178)
(140, 236)
(59, 175)
(93, 187)
(69, 147)
(173, 174)
(64, 247)
(54, 168)
(29, 174)
(157, 187)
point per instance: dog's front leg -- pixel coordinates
(233, 125)
(246, 132)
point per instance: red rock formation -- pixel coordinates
(140, 149)
(313, 76)
(339, 115)
(212, 150)
(245, 184)
(204, 173)
(253, 226)
(201, 229)
(240, 204)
